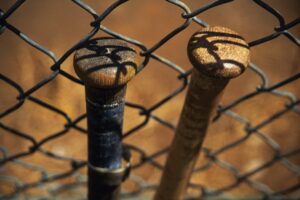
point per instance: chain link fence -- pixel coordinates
(53, 183)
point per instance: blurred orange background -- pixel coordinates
(58, 25)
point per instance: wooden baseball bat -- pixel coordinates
(217, 54)
(105, 65)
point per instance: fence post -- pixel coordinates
(105, 65)
(217, 54)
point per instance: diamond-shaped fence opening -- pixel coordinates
(252, 148)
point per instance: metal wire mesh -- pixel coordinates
(78, 182)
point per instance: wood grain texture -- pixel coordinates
(106, 63)
(219, 52)
(217, 55)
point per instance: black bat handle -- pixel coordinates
(105, 65)
(105, 118)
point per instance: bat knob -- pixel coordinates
(105, 63)
(218, 52)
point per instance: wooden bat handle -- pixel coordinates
(217, 54)
(105, 65)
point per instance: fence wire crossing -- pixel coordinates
(292, 105)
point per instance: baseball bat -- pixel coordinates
(105, 65)
(217, 54)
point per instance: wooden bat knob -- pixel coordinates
(218, 52)
(106, 63)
